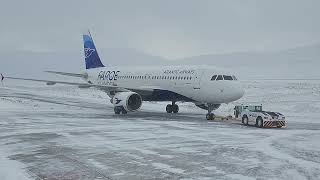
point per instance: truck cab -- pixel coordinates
(240, 108)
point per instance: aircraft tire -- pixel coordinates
(210, 116)
(169, 108)
(123, 110)
(117, 110)
(175, 108)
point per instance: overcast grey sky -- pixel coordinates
(167, 28)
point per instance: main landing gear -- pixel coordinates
(119, 109)
(210, 115)
(172, 108)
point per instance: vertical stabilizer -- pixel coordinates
(92, 58)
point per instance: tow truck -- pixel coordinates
(254, 115)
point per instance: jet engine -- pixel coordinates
(130, 101)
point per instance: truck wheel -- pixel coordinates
(259, 122)
(245, 120)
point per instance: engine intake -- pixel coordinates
(130, 101)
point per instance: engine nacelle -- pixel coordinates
(130, 101)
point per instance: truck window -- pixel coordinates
(258, 108)
(219, 78)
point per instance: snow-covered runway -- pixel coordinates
(62, 132)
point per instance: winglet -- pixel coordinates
(1, 76)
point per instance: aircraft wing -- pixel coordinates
(50, 82)
(85, 85)
(84, 75)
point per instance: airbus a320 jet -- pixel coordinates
(207, 87)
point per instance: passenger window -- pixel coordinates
(228, 78)
(214, 78)
(219, 78)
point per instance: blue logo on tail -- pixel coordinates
(92, 58)
(88, 52)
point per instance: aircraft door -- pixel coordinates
(197, 79)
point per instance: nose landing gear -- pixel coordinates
(119, 109)
(210, 115)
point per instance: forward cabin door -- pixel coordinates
(197, 79)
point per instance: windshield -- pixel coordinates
(223, 77)
(229, 78)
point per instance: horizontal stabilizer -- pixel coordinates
(84, 75)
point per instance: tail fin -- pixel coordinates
(90, 52)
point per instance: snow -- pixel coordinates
(62, 132)
(168, 168)
(11, 170)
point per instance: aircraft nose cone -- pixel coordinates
(237, 92)
(240, 92)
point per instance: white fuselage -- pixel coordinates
(192, 82)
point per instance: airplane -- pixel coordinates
(205, 86)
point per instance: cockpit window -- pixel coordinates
(219, 78)
(213, 77)
(229, 78)
(234, 77)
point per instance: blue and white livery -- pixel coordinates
(207, 87)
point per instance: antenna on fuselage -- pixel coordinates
(2, 78)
